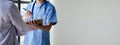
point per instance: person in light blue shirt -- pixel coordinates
(45, 12)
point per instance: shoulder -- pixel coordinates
(11, 5)
(7, 5)
(49, 5)
(30, 4)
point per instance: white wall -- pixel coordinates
(87, 22)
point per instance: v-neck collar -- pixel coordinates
(39, 4)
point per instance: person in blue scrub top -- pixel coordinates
(41, 15)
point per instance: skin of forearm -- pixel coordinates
(31, 27)
(45, 28)
(36, 25)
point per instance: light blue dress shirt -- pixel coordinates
(11, 23)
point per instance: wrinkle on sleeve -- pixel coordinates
(16, 20)
(51, 16)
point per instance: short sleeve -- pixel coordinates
(51, 16)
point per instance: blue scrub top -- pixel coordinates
(45, 11)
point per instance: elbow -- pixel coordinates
(46, 29)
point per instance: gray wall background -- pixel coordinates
(87, 22)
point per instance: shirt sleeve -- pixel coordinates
(16, 20)
(51, 16)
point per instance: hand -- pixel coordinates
(33, 24)
(40, 21)
(36, 22)
(32, 27)
(26, 15)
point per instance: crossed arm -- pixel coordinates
(36, 24)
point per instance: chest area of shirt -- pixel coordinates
(38, 12)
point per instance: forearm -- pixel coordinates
(38, 25)
(31, 27)
(45, 28)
